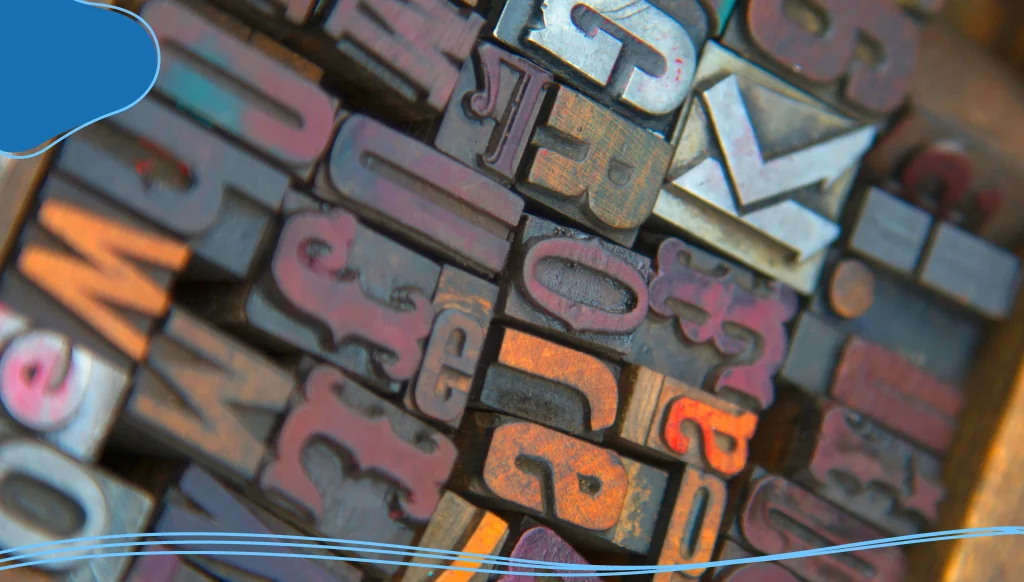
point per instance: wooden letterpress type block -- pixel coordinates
(859, 56)
(49, 498)
(638, 58)
(493, 110)
(164, 167)
(694, 525)
(406, 54)
(548, 383)
(56, 389)
(594, 167)
(200, 504)
(677, 421)
(93, 272)
(730, 550)
(464, 305)
(340, 291)
(421, 194)
(543, 544)
(578, 287)
(279, 113)
(714, 326)
(595, 497)
(207, 397)
(762, 170)
(459, 526)
(937, 255)
(779, 517)
(876, 304)
(844, 458)
(19, 182)
(356, 465)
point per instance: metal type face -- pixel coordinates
(166, 168)
(239, 90)
(714, 326)
(199, 503)
(551, 384)
(870, 473)
(357, 466)
(340, 291)
(46, 498)
(93, 272)
(492, 113)
(459, 526)
(593, 167)
(762, 171)
(941, 257)
(856, 55)
(678, 421)
(888, 388)
(207, 397)
(60, 391)
(420, 194)
(637, 57)
(779, 517)
(605, 500)
(464, 305)
(693, 527)
(407, 53)
(579, 288)
(543, 544)
(882, 307)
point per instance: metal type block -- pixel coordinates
(856, 55)
(340, 291)
(940, 256)
(55, 389)
(637, 57)
(847, 459)
(355, 466)
(200, 72)
(762, 171)
(714, 326)
(169, 170)
(779, 517)
(420, 194)
(93, 272)
(49, 498)
(882, 307)
(207, 397)
(576, 287)
(201, 504)
(493, 111)
(463, 305)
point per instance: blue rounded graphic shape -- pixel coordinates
(70, 63)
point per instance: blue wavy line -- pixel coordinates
(585, 570)
(152, 84)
